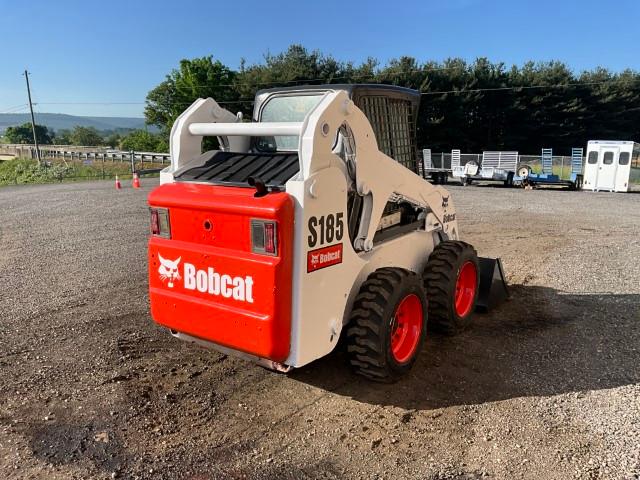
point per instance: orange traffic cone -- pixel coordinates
(118, 186)
(136, 180)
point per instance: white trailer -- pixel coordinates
(610, 164)
(439, 175)
(495, 166)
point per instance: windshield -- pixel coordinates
(291, 108)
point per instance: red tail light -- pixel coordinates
(264, 237)
(160, 225)
(270, 238)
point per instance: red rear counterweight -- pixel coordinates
(208, 280)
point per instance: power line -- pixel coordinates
(440, 92)
(15, 108)
(331, 79)
(524, 87)
(135, 103)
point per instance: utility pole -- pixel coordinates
(33, 119)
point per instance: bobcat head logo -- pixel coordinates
(315, 259)
(168, 270)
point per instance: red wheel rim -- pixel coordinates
(466, 288)
(406, 328)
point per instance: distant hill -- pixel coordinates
(60, 121)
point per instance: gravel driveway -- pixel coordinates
(545, 387)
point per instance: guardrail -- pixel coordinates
(80, 153)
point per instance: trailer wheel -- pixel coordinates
(451, 280)
(387, 325)
(577, 185)
(524, 171)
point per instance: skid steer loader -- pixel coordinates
(309, 224)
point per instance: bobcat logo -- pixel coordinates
(315, 259)
(168, 270)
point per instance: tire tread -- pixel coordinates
(365, 331)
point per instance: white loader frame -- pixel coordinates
(320, 188)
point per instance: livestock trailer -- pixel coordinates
(611, 164)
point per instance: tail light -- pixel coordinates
(264, 237)
(160, 225)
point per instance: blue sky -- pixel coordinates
(83, 52)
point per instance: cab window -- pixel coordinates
(285, 108)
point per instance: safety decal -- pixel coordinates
(324, 257)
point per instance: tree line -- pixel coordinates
(138, 140)
(472, 106)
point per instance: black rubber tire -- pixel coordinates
(440, 277)
(368, 335)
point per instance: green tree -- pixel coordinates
(296, 65)
(197, 78)
(62, 137)
(142, 141)
(113, 140)
(87, 136)
(24, 134)
(474, 106)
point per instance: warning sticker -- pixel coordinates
(324, 257)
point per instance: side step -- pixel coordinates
(493, 286)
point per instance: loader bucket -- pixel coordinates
(493, 286)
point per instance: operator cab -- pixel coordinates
(391, 110)
(272, 161)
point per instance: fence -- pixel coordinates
(561, 164)
(87, 154)
(65, 163)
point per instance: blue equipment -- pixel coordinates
(526, 177)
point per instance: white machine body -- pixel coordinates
(338, 153)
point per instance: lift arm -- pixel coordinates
(378, 177)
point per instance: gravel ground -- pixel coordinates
(547, 386)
